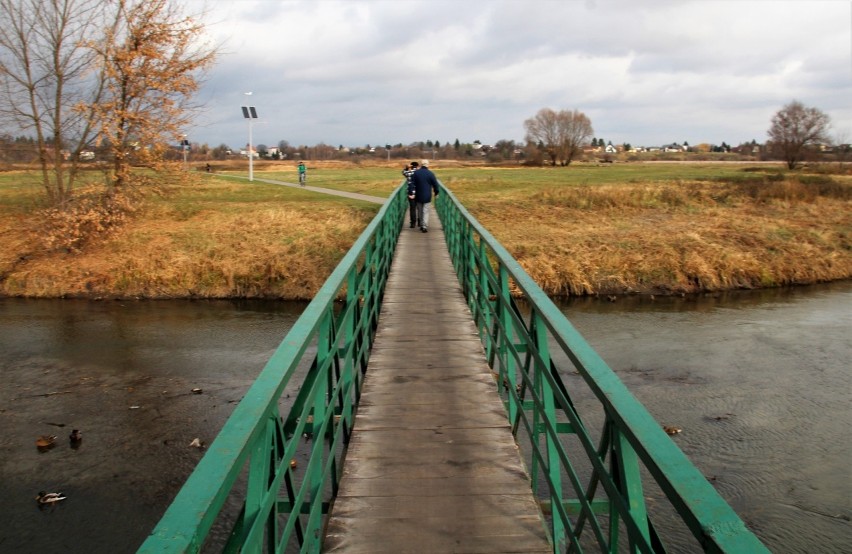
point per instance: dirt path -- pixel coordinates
(354, 195)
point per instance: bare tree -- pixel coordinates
(45, 73)
(561, 135)
(795, 128)
(574, 131)
(543, 129)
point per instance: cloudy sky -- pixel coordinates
(646, 72)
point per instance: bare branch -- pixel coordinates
(46, 72)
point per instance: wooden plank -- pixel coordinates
(432, 465)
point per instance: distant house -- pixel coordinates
(610, 149)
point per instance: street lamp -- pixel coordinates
(184, 145)
(250, 113)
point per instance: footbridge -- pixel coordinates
(419, 405)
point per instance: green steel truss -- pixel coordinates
(611, 480)
(245, 487)
(601, 485)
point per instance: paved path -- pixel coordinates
(432, 466)
(355, 195)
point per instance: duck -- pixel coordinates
(49, 497)
(45, 441)
(672, 430)
(75, 436)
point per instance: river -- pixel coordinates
(759, 382)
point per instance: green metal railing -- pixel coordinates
(611, 479)
(251, 463)
(605, 473)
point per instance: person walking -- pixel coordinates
(412, 204)
(423, 184)
(303, 173)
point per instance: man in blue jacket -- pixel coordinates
(412, 205)
(423, 183)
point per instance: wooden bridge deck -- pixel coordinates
(432, 465)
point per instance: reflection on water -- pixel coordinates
(761, 385)
(123, 373)
(759, 382)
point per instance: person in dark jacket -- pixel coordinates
(412, 205)
(423, 184)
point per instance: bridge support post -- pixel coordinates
(624, 466)
(541, 364)
(505, 337)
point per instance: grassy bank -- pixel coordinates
(587, 229)
(675, 237)
(212, 239)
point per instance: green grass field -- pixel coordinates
(381, 181)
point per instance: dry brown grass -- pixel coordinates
(216, 240)
(651, 229)
(220, 257)
(674, 238)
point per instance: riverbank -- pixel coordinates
(584, 230)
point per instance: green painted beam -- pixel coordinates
(715, 526)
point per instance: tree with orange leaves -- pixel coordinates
(152, 57)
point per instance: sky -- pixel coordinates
(645, 72)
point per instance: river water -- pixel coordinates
(760, 382)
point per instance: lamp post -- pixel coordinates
(184, 145)
(250, 113)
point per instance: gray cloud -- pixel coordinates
(358, 72)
